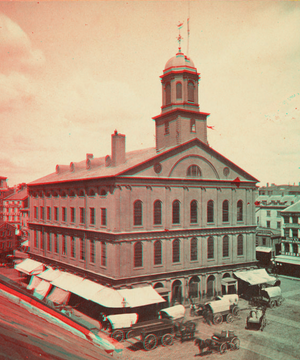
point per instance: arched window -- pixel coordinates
(210, 211)
(168, 93)
(194, 249)
(194, 213)
(225, 211)
(179, 90)
(138, 254)
(191, 89)
(193, 171)
(240, 245)
(176, 212)
(138, 213)
(210, 248)
(157, 212)
(157, 252)
(193, 125)
(176, 251)
(225, 246)
(240, 210)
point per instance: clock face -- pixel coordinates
(226, 171)
(157, 168)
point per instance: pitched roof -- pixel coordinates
(20, 195)
(293, 208)
(134, 159)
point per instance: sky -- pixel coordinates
(72, 72)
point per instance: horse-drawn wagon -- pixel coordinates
(256, 319)
(270, 296)
(225, 306)
(118, 325)
(219, 342)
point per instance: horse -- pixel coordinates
(203, 344)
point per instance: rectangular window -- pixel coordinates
(256, 241)
(92, 251)
(73, 247)
(73, 217)
(48, 213)
(210, 249)
(286, 219)
(56, 213)
(295, 219)
(42, 212)
(36, 216)
(268, 224)
(35, 239)
(82, 250)
(295, 233)
(287, 233)
(264, 241)
(49, 247)
(56, 247)
(268, 213)
(278, 224)
(92, 216)
(103, 217)
(42, 240)
(82, 217)
(64, 214)
(103, 253)
(64, 245)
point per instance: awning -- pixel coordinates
(109, 298)
(140, 296)
(67, 281)
(228, 281)
(42, 289)
(255, 277)
(34, 281)
(294, 260)
(50, 274)
(58, 296)
(87, 288)
(30, 267)
(264, 249)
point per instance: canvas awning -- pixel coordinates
(67, 281)
(109, 298)
(87, 288)
(42, 289)
(58, 296)
(264, 249)
(34, 281)
(228, 281)
(30, 267)
(255, 277)
(140, 296)
(294, 260)
(50, 274)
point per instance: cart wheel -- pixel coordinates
(229, 318)
(129, 334)
(235, 344)
(167, 339)
(278, 302)
(118, 335)
(218, 319)
(223, 348)
(150, 342)
(272, 304)
(235, 311)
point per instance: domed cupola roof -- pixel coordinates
(180, 62)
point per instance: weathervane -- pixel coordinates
(179, 38)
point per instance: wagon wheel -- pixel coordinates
(235, 343)
(279, 302)
(235, 310)
(223, 348)
(129, 334)
(272, 304)
(229, 318)
(218, 319)
(167, 339)
(118, 335)
(150, 342)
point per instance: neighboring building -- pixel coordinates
(289, 260)
(8, 240)
(268, 206)
(4, 192)
(179, 216)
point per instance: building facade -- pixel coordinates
(8, 240)
(5, 191)
(179, 216)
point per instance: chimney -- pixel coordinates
(117, 149)
(267, 184)
(89, 156)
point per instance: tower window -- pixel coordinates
(210, 211)
(191, 89)
(194, 249)
(157, 212)
(240, 210)
(193, 125)
(210, 248)
(168, 93)
(179, 90)
(176, 212)
(225, 211)
(176, 251)
(240, 249)
(225, 246)
(193, 171)
(138, 213)
(138, 254)
(194, 215)
(157, 252)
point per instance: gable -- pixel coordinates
(175, 162)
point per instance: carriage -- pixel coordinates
(219, 342)
(223, 307)
(257, 319)
(270, 296)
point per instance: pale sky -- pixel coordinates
(73, 72)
